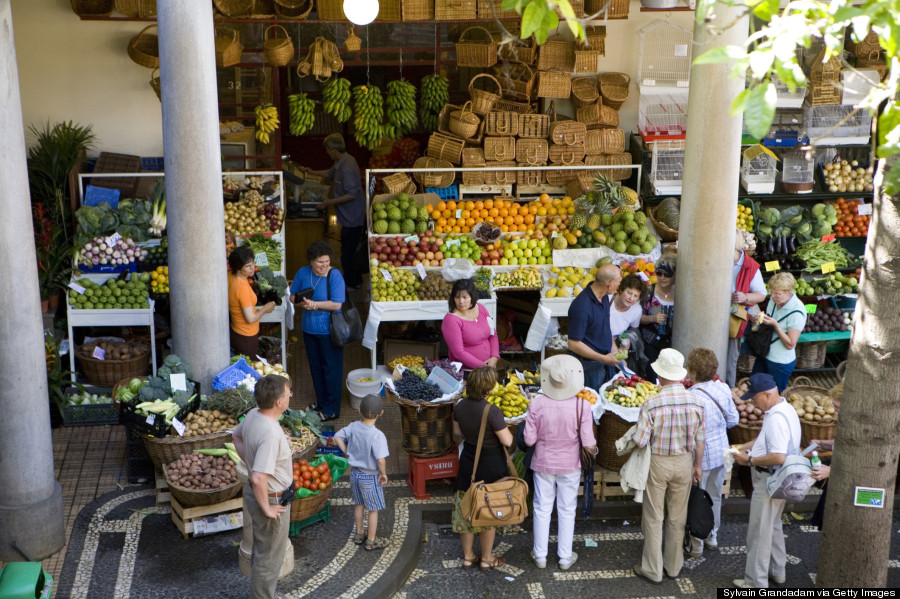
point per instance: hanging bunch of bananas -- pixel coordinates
(266, 122)
(401, 109)
(302, 109)
(368, 113)
(435, 94)
(336, 96)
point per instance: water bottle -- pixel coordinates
(814, 460)
(661, 327)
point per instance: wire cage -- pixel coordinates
(832, 124)
(758, 170)
(665, 55)
(666, 166)
(798, 170)
(662, 113)
(786, 97)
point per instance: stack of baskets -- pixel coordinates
(427, 427)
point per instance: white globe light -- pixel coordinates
(361, 12)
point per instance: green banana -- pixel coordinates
(369, 114)
(435, 94)
(302, 110)
(401, 109)
(336, 96)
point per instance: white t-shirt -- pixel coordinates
(780, 431)
(619, 322)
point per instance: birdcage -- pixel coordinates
(662, 113)
(832, 124)
(665, 55)
(784, 131)
(666, 166)
(823, 69)
(856, 84)
(798, 170)
(786, 97)
(758, 169)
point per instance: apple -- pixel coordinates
(382, 257)
(373, 255)
(439, 255)
(429, 255)
(420, 255)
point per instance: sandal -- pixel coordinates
(468, 564)
(376, 543)
(325, 417)
(359, 538)
(495, 562)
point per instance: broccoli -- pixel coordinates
(182, 398)
(173, 365)
(150, 393)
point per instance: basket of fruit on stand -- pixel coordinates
(815, 408)
(204, 477)
(623, 395)
(314, 482)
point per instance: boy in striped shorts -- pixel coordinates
(366, 447)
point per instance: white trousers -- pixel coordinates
(766, 554)
(564, 489)
(711, 481)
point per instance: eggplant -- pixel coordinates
(779, 245)
(770, 247)
(793, 244)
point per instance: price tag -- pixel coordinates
(76, 288)
(459, 213)
(113, 239)
(421, 270)
(643, 276)
(178, 382)
(625, 391)
(387, 276)
(864, 209)
(413, 238)
(811, 308)
(457, 365)
(773, 266)
(151, 419)
(520, 376)
(263, 360)
(261, 260)
(827, 267)
(179, 426)
(452, 242)
(827, 238)
(99, 353)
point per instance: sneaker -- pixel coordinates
(710, 547)
(540, 563)
(566, 565)
(692, 555)
(778, 579)
(742, 584)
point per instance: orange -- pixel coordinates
(451, 205)
(470, 222)
(529, 218)
(435, 214)
(442, 222)
(544, 197)
(570, 210)
(439, 228)
(504, 212)
(465, 214)
(494, 212)
(442, 206)
(470, 205)
(533, 208)
(479, 205)
(552, 211)
(489, 204)
(519, 219)
(457, 229)
(542, 211)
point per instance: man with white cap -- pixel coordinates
(671, 422)
(778, 437)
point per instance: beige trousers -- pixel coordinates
(668, 488)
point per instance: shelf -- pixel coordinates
(110, 318)
(833, 336)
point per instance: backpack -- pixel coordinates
(700, 520)
(793, 479)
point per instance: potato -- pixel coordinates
(752, 417)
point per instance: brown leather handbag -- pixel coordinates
(500, 503)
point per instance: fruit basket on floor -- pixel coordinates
(165, 450)
(427, 427)
(815, 408)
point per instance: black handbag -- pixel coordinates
(760, 339)
(700, 520)
(346, 325)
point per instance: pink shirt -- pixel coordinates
(470, 342)
(551, 427)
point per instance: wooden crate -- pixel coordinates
(596, 484)
(162, 490)
(185, 518)
(609, 485)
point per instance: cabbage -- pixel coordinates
(135, 385)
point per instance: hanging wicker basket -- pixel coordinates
(557, 55)
(520, 51)
(233, 8)
(155, 83)
(551, 84)
(353, 42)
(517, 79)
(482, 100)
(92, 8)
(614, 89)
(279, 51)
(474, 52)
(144, 48)
(293, 9)
(141, 9)
(228, 48)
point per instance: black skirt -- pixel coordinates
(491, 466)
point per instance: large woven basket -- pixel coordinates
(142, 9)
(331, 10)
(389, 10)
(611, 427)
(517, 80)
(534, 125)
(473, 158)
(474, 52)
(199, 497)
(619, 159)
(811, 430)
(483, 100)
(566, 154)
(561, 178)
(488, 9)
(455, 10)
(604, 141)
(665, 232)
(279, 51)
(464, 122)
(165, 450)
(520, 51)
(615, 9)
(505, 104)
(530, 178)
(742, 433)
(565, 131)
(614, 89)
(106, 373)
(92, 8)
(417, 10)
(745, 362)
(532, 151)
(499, 177)
(581, 183)
(304, 507)
(144, 48)
(395, 183)
(551, 84)
(499, 148)
(440, 179)
(811, 354)
(501, 124)
(597, 115)
(557, 55)
(427, 427)
(584, 91)
(228, 48)
(445, 148)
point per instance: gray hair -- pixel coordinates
(335, 141)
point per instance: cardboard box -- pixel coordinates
(394, 348)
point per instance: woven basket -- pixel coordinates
(304, 507)
(519, 51)
(617, 9)
(517, 79)
(507, 105)
(580, 184)
(445, 148)
(530, 178)
(307, 453)
(556, 55)
(122, 383)
(331, 10)
(106, 373)
(745, 362)
(584, 91)
(534, 125)
(499, 148)
(231, 8)
(200, 497)
(389, 10)
(551, 84)
(165, 450)
(565, 131)
(499, 177)
(482, 100)
(144, 48)
(611, 427)
(463, 122)
(353, 42)
(742, 433)
(445, 128)
(279, 51)
(395, 183)
(598, 116)
(290, 9)
(566, 154)
(619, 159)
(811, 354)
(595, 38)
(228, 48)
(665, 233)
(417, 10)
(562, 178)
(155, 83)
(92, 8)
(604, 141)
(455, 10)
(427, 427)
(473, 158)
(443, 179)
(474, 52)
(816, 430)
(587, 61)
(501, 124)
(473, 178)
(532, 151)
(488, 9)
(141, 9)
(614, 89)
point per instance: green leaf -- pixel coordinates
(892, 181)
(760, 63)
(721, 54)
(532, 17)
(511, 5)
(759, 109)
(740, 102)
(566, 9)
(576, 28)
(550, 21)
(889, 131)
(765, 10)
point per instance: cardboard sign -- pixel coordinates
(179, 426)
(178, 382)
(99, 353)
(387, 276)
(827, 267)
(261, 259)
(827, 238)
(76, 288)
(773, 266)
(811, 308)
(421, 270)
(864, 209)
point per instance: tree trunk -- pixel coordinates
(856, 540)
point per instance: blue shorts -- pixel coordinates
(366, 490)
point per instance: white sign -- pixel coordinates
(99, 353)
(178, 382)
(76, 288)
(864, 209)
(421, 270)
(179, 426)
(151, 419)
(387, 276)
(263, 360)
(113, 239)
(390, 383)
(413, 238)
(681, 50)
(261, 260)
(625, 391)
(643, 276)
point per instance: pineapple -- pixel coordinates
(610, 195)
(577, 221)
(593, 222)
(631, 196)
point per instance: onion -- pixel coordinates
(116, 254)
(129, 252)
(95, 260)
(108, 251)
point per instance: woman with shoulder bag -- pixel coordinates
(786, 314)
(558, 425)
(492, 462)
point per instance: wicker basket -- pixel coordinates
(816, 430)
(141, 9)
(584, 91)
(587, 61)
(353, 42)
(604, 141)
(279, 51)
(665, 233)
(307, 453)
(417, 10)
(517, 80)
(427, 427)
(566, 154)
(441, 179)
(92, 8)
(155, 83)
(455, 10)
(388, 10)
(534, 125)
(199, 497)
(507, 105)
(464, 123)
(619, 159)
(445, 128)
(519, 51)
(304, 507)
(230, 8)
(474, 52)
(551, 84)
(165, 450)
(532, 151)
(595, 38)
(106, 373)
(499, 148)
(331, 10)
(745, 362)
(562, 178)
(499, 177)
(473, 158)
(445, 147)
(611, 427)
(614, 89)
(396, 183)
(811, 354)
(501, 124)
(144, 48)
(290, 9)
(617, 9)
(556, 55)
(565, 131)
(482, 100)
(742, 433)
(530, 178)
(488, 9)
(228, 48)
(598, 116)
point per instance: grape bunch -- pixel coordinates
(419, 371)
(411, 387)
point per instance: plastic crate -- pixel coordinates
(324, 515)
(108, 268)
(331, 446)
(152, 163)
(450, 192)
(139, 423)
(232, 376)
(90, 414)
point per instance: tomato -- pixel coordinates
(322, 486)
(322, 468)
(326, 478)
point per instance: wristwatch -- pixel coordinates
(749, 461)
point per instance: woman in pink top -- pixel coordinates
(553, 428)
(468, 329)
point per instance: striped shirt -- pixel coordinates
(716, 426)
(671, 422)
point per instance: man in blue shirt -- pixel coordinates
(590, 338)
(350, 204)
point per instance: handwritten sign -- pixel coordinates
(827, 267)
(459, 213)
(413, 238)
(151, 419)
(773, 266)
(76, 288)
(864, 209)
(421, 270)
(179, 426)
(113, 239)
(261, 259)
(827, 238)
(811, 308)
(99, 353)
(178, 382)
(387, 276)
(625, 391)
(452, 242)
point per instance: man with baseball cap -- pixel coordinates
(671, 422)
(779, 436)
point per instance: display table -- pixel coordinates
(279, 315)
(832, 336)
(403, 311)
(110, 318)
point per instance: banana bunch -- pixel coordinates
(266, 122)
(368, 113)
(401, 109)
(336, 96)
(527, 378)
(301, 113)
(435, 94)
(509, 399)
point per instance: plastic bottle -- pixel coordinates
(814, 460)
(661, 327)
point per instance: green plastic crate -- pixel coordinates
(323, 515)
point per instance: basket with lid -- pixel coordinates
(463, 122)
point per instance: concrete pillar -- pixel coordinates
(709, 194)
(196, 219)
(31, 508)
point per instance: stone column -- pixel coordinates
(195, 209)
(709, 194)
(31, 507)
